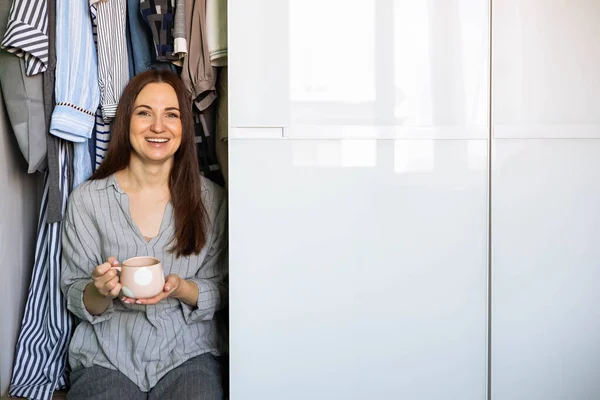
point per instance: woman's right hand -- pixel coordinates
(106, 280)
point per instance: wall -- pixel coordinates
(19, 194)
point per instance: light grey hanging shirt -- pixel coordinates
(179, 31)
(142, 342)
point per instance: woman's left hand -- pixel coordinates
(172, 283)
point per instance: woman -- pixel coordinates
(146, 199)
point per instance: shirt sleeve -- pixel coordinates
(26, 34)
(80, 247)
(113, 67)
(211, 277)
(179, 30)
(198, 75)
(76, 88)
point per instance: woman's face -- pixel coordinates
(155, 128)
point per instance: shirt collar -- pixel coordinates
(112, 181)
(109, 181)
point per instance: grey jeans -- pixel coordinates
(198, 378)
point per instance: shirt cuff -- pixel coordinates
(23, 40)
(76, 306)
(218, 58)
(180, 48)
(109, 111)
(208, 300)
(72, 123)
(202, 102)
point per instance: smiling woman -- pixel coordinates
(155, 127)
(155, 106)
(147, 199)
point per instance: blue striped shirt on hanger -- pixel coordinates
(76, 89)
(77, 92)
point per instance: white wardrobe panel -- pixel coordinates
(391, 63)
(545, 270)
(546, 58)
(258, 71)
(358, 269)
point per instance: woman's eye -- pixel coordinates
(144, 113)
(172, 115)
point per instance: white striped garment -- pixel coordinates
(41, 359)
(102, 128)
(102, 139)
(27, 34)
(93, 12)
(113, 65)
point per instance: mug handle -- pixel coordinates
(117, 267)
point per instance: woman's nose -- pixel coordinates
(157, 125)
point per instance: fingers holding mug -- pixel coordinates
(115, 291)
(106, 279)
(108, 286)
(100, 270)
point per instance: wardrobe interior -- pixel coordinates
(104, 43)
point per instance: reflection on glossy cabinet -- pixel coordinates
(358, 269)
(406, 63)
(546, 58)
(545, 229)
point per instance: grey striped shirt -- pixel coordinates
(143, 342)
(113, 68)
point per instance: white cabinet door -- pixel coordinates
(546, 63)
(545, 269)
(358, 269)
(418, 68)
(545, 196)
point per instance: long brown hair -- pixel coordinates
(184, 180)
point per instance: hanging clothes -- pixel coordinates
(141, 43)
(40, 361)
(198, 74)
(199, 78)
(101, 132)
(54, 209)
(160, 17)
(82, 161)
(21, 89)
(26, 34)
(179, 32)
(204, 128)
(216, 31)
(77, 91)
(113, 70)
(143, 54)
(222, 124)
